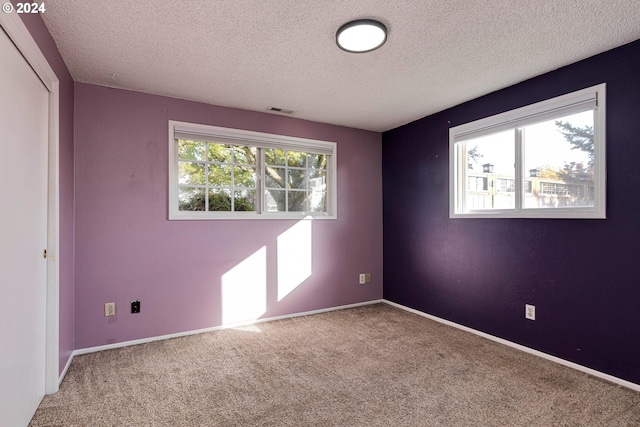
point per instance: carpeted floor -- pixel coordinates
(369, 366)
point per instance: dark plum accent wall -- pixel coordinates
(45, 42)
(582, 275)
(127, 249)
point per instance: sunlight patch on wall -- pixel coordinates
(244, 289)
(294, 257)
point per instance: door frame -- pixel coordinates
(21, 37)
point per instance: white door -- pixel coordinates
(24, 116)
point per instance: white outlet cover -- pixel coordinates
(530, 311)
(110, 309)
(362, 279)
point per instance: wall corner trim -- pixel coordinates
(593, 372)
(66, 368)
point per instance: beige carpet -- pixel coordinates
(369, 366)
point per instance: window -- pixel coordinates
(222, 173)
(545, 160)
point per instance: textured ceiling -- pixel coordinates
(253, 54)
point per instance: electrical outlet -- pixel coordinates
(367, 277)
(363, 279)
(109, 309)
(530, 311)
(135, 306)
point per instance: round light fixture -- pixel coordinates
(362, 35)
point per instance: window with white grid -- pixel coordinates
(222, 173)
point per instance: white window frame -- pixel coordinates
(256, 139)
(592, 98)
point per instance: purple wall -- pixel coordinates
(126, 248)
(582, 275)
(45, 42)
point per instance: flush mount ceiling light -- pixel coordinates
(362, 35)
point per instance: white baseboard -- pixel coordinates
(611, 378)
(555, 359)
(214, 328)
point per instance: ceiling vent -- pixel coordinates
(280, 110)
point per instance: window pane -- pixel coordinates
(296, 159)
(490, 171)
(275, 177)
(297, 201)
(244, 177)
(317, 161)
(219, 153)
(220, 175)
(244, 200)
(318, 180)
(559, 159)
(191, 173)
(244, 155)
(191, 199)
(318, 201)
(296, 178)
(275, 201)
(274, 157)
(220, 200)
(191, 150)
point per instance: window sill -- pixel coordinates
(213, 216)
(535, 213)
